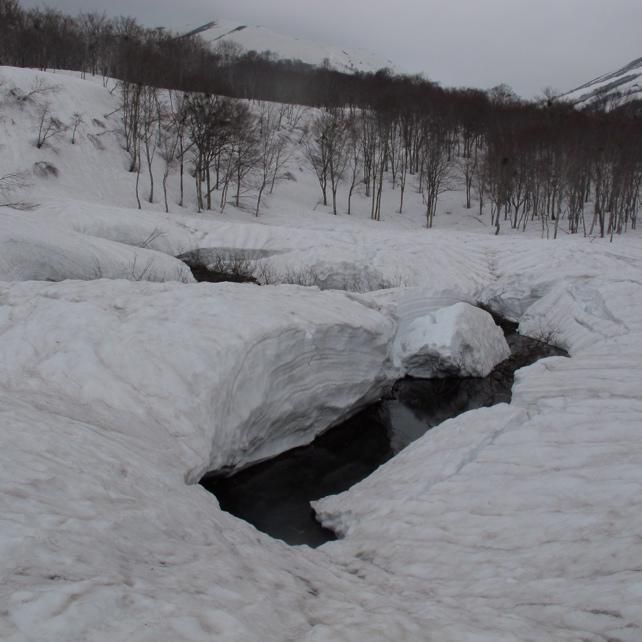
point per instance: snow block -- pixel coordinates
(460, 340)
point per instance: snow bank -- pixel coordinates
(112, 395)
(511, 523)
(457, 341)
(234, 373)
(370, 259)
(39, 251)
(449, 448)
(526, 270)
(101, 541)
(345, 258)
(537, 518)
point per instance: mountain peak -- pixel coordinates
(285, 47)
(610, 90)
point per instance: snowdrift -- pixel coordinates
(233, 373)
(33, 250)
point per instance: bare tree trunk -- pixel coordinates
(258, 199)
(165, 192)
(137, 186)
(208, 181)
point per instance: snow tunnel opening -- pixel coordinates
(275, 495)
(222, 265)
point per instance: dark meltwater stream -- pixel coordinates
(275, 495)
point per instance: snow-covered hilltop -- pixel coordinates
(610, 90)
(285, 47)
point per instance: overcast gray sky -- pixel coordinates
(529, 44)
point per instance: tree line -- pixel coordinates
(524, 163)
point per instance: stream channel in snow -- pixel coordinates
(275, 495)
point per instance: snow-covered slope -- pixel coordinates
(285, 47)
(610, 90)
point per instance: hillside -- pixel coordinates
(285, 47)
(610, 90)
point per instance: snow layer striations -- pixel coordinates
(114, 397)
(347, 256)
(233, 374)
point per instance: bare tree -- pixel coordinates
(436, 166)
(96, 31)
(317, 153)
(245, 147)
(48, 126)
(214, 126)
(149, 131)
(376, 142)
(355, 159)
(168, 144)
(130, 100)
(271, 149)
(76, 121)
(337, 135)
(178, 119)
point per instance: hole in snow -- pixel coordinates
(275, 495)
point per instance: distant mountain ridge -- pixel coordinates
(611, 90)
(284, 47)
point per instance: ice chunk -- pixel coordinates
(459, 340)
